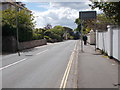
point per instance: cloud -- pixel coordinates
(53, 0)
(63, 14)
(72, 5)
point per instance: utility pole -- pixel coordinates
(17, 30)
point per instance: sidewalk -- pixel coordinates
(96, 70)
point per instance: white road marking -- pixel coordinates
(19, 61)
(42, 52)
(67, 71)
(12, 64)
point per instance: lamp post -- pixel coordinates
(17, 35)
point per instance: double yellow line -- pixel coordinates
(67, 71)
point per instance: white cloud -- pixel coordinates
(72, 5)
(53, 0)
(60, 14)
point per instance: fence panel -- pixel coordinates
(109, 41)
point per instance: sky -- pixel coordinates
(57, 13)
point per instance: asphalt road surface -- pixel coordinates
(40, 67)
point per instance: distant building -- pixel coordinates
(13, 5)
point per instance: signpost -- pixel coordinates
(85, 15)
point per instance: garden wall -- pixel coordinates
(9, 44)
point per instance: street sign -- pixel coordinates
(86, 15)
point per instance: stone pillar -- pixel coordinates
(92, 37)
(111, 40)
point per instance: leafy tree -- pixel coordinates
(69, 30)
(58, 30)
(54, 34)
(48, 26)
(38, 33)
(77, 21)
(8, 22)
(111, 9)
(25, 24)
(100, 23)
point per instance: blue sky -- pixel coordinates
(37, 6)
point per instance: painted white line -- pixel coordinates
(13, 64)
(67, 71)
(42, 52)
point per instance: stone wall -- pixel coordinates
(9, 44)
(31, 44)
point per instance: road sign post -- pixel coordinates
(85, 15)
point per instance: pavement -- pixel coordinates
(96, 70)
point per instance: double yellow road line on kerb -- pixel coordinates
(67, 71)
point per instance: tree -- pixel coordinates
(25, 24)
(48, 26)
(77, 21)
(100, 23)
(38, 33)
(69, 30)
(54, 34)
(111, 9)
(78, 29)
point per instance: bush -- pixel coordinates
(48, 39)
(71, 37)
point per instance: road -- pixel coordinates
(40, 67)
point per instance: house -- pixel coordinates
(9, 4)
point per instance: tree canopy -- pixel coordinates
(25, 24)
(111, 9)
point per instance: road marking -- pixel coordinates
(19, 61)
(42, 52)
(67, 71)
(12, 64)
